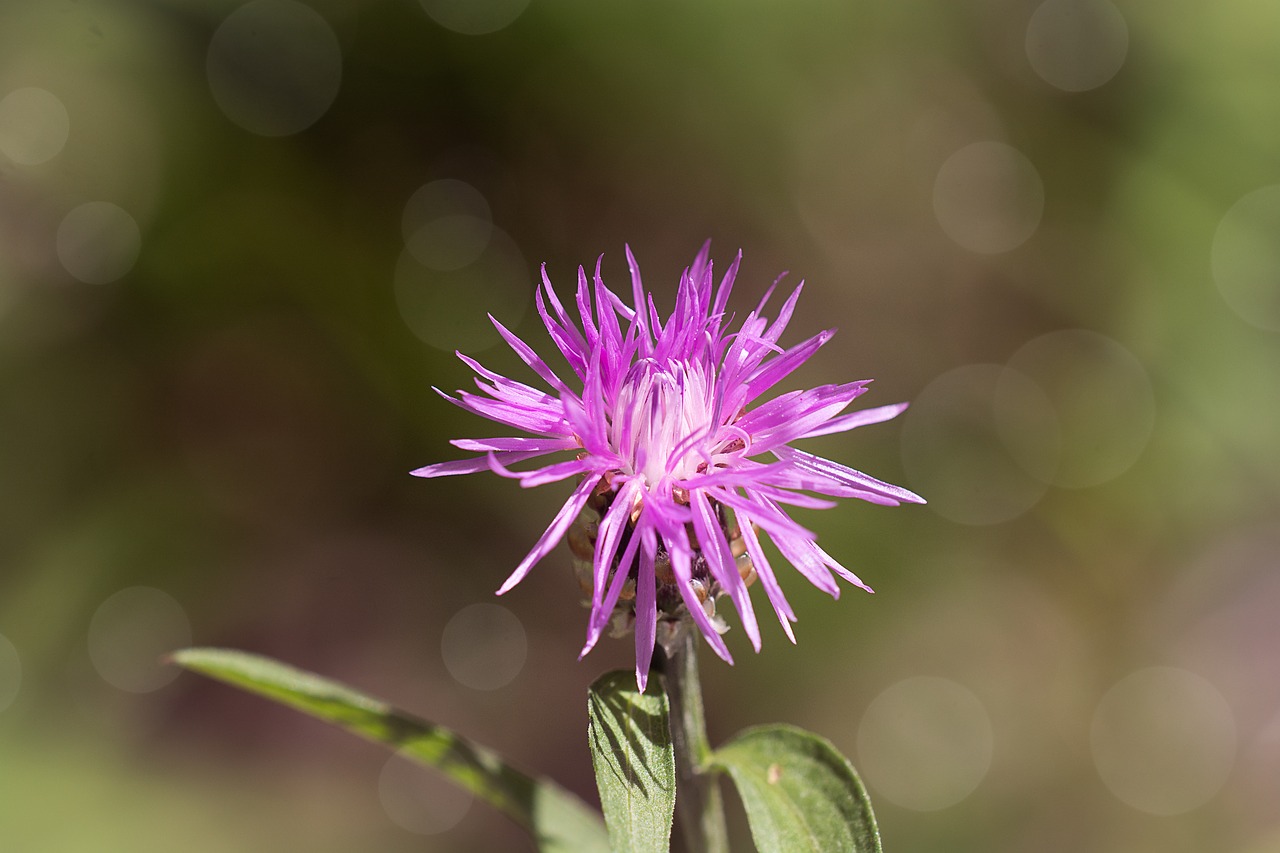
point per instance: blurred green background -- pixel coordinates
(239, 243)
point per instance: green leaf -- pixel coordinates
(801, 794)
(630, 738)
(558, 821)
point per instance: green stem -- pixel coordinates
(699, 808)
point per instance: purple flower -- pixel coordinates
(667, 437)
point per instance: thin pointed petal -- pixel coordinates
(554, 533)
(866, 417)
(600, 615)
(767, 578)
(646, 618)
(531, 358)
(836, 473)
(473, 465)
(716, 551)
(678, 549)
(540, 445)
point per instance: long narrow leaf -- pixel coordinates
(631, 749)
(558, 821)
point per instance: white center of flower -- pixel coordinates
(662, 422)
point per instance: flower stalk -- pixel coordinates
(699, 805)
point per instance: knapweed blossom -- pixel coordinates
(667, 437)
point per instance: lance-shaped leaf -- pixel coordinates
(801, 795)
(630, 738)
(558, 821)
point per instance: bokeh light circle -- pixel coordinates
(418, 799)
(98, 242)
(1077, 45)
(1104, 400)
(450, 243)
(484, 646)
(443, 197)
(474, 17)
(967, 454)
(131, 632)
(34, 126)
(1220, 617)
(274, 67)
(10, 672)
(1164, 740)
(1245, 258)
(447, 224)
(448, 309)
(988, 197)
(925, 743)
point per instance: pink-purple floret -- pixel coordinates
(664, 420)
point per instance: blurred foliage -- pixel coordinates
(231, 419)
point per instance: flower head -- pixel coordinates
(680, 467)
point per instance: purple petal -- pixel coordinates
(746, 473)
(539, 419)
(837, 568)
(784, 315)
(606, 314)
(570, 341)
(646, 616)
(541, 476)
(608, 537)
(834, 472)
(589, 422)
(679, 551)
(773, 591)
(473, 465)
(644, 339)
(583, 300)
(768, 294)
(777, 369)
(655, 321)
(600, 615)
(531, 358)
(554, 533)
(813, 569)
(765, 512)
(540, 445)
(558, 306)
(726, 287)
(715, 549)
(787, 418)
(567, 339)
(777, 491)
(698, 268)
(509, 390)
(866, 417)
